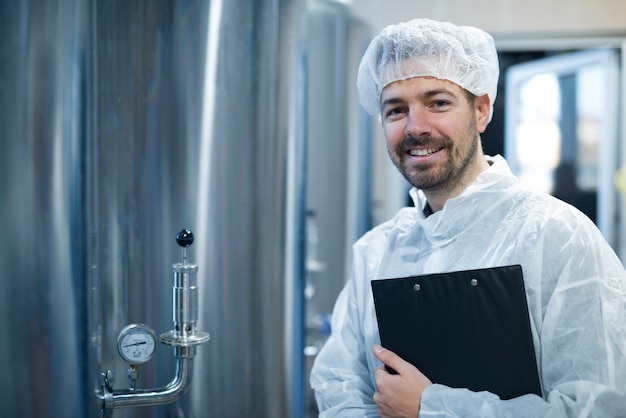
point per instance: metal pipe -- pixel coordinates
(174, 390)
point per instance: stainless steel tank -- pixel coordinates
(199, 125)
(338, 164)
(43, 281)
(122, 123)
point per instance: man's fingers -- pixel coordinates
(389, 358)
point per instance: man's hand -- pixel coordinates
(398, 395)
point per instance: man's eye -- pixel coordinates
(396, 111)
(440, 103)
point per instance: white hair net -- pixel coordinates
(425, 48)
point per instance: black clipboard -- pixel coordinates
(465, 329)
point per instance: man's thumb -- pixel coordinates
(388, 358)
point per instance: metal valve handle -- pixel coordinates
(184, 300)
(184, 238)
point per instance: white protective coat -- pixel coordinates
(575, 286)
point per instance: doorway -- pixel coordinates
(561, 130)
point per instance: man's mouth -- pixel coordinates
(422, 152)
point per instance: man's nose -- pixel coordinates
(417, 124)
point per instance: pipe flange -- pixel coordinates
(173, 339)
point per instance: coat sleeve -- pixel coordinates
(582, 335)
(342, 374)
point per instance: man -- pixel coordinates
(434, 85)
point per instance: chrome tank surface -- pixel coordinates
(43, 331)
(123, 122)
(197, 127)
(339, 162)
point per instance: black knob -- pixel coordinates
(184, 238)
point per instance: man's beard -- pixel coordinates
(439, 177)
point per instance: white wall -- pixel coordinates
(502, 16)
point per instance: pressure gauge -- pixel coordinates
(136, 343)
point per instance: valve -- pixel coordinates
(136, 343)
(184, 300)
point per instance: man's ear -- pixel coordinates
(482, 108)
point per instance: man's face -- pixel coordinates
(432, 132)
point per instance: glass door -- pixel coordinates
(562, 130)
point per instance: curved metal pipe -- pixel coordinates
(123, 398)
(174, 390)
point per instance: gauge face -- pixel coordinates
(136, 343)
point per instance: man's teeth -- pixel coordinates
(421, 152)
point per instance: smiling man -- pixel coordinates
(433, 85)
(432, 129)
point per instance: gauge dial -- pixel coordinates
(136, 343)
